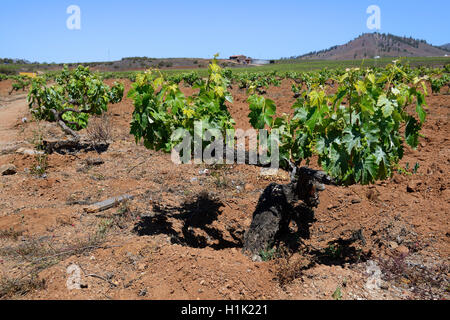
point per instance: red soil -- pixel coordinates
(165, 261)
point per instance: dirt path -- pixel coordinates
(12, 110)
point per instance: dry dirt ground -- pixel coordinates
(181, 235)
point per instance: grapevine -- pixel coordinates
(70, 102)
(161, 109)
(358, 134)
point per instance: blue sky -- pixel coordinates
(112, 29)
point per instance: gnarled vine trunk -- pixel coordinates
(275, 207)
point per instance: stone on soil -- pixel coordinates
(8, 169)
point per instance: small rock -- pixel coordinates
(8, 169)
(109, 275)
(142, 292)
(372, 194)
(402, 250)
(141, 266)
(384, 285)
(268, 172)
(249, 187)
(94, 162)
(256, 258)
(356, 200)
(398, 178)
(393, 245)
(413, 185)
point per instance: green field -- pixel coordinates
(280, 66)
(311, 65)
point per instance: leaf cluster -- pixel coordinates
(73, 98)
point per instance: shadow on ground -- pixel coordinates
(196, 218)
(337, 252)
(197, 215)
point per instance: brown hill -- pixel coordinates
(370, 45)
(446, 46)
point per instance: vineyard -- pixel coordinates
(363, 181)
